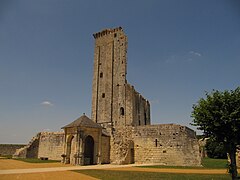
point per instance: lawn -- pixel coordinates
(35, 160)
(207, 163)
(132, 175)
(30, 160)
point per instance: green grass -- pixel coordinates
(35, 160)
(6, 156)
(214, 163)
(207, 163)
(132, 175)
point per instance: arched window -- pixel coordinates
(122, 111)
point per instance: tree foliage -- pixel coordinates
(215, 149)
(218, 115)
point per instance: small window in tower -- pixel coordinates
(156, 142)
(139, 122)
(103, 95)
(101, 74)
(115, 34)
(145, 118)
(122, 111)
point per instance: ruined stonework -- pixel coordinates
(125, 114)
(166, 144)
(51, 145)
(44, 145)
(114, 101)
(9, 149)
(120, 130)
(30, 150)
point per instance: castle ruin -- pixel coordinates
(120, 130)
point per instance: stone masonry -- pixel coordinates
(125, 113)
(120, 130)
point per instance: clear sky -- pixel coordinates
(177, 50)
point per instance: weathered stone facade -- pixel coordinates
(50, 142)
(43, 145)
(85, 143)
(120, 131)
(119, 108)
(114, 101)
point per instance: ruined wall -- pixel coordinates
(30, 150)
(9, 149)
(44, 144)
(137, 108)
(166, 144)
(121, 142)
(51, 145)
(105, 149)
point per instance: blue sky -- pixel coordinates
(177, 50)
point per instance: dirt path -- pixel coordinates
(62, 175)
(15, 164)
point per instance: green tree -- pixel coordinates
(218, 115)
(215, 149)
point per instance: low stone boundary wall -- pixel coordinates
(9, 149)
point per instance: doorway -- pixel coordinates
(89, 151)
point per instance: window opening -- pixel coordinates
(122, 111)
(145, 118)
(156, 142)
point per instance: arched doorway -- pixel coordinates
(69, 149)
(89, 151)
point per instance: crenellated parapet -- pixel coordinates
(106, 32)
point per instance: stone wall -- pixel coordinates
(113, 99)
(30, 150)
(44, 144)
(9, 149)
(51, 145)
(105, 150)
(167, 144)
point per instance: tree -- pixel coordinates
(218, 115)
(215, 149)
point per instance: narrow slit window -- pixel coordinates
(103, 95)
(122, 111)
(101, 74)
(156, 142)
(145, 118)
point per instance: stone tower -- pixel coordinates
(115, 103)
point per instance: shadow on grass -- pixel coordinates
(35, 160)
(135, 175)
(207, 163)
